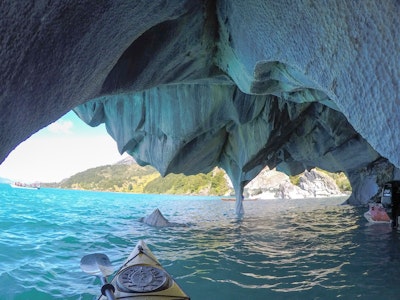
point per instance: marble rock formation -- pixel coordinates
(157, 219)
(270, 184)
(318, 184)
(189, 85)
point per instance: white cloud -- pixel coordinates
(48, 159)
(61, 126)
(62, 149)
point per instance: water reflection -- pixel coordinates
(281, 248)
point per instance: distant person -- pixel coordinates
(378, 213)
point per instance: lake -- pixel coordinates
(280, 249)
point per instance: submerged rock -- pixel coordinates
(157, 219)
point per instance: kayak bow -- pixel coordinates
(142, 277)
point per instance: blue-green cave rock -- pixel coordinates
(189, 85)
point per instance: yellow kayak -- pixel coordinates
(142, 277)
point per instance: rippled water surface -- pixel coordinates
(297, 249)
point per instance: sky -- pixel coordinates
(60, 150)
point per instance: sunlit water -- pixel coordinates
(293, 249)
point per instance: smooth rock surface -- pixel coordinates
(188, 85)
(157, 219)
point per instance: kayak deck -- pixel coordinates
(142, 277)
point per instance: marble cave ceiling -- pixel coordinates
(189, 85)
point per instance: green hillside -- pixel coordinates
(128, 176)
(213, 183)
(136, 179)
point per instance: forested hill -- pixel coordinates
(128, 176)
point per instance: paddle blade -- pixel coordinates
(97, 264)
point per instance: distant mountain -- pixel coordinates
(129, 160)
(5, 180)
(127, 176)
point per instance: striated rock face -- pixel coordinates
(270, 184)
(266, 184)
(189, 85)
(318, 185)
(211, 129)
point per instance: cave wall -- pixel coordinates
(187, 85)
(221, 126)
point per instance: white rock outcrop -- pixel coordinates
(270, 184)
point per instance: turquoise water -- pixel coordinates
(308, 249)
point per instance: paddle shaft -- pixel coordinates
(107, 291)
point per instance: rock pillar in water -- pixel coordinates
(156, 219)
(239, 204)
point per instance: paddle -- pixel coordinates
(99, 264)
